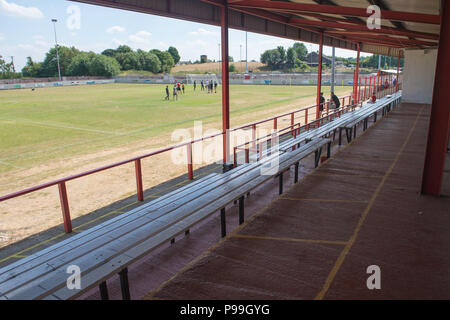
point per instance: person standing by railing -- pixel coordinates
(322, 104)
(335, 100)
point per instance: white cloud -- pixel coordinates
(26, 47)
(136, 39)
(203, 32)
(13, 9)
(40, 41)
(2, 37)
(140, 39)
(115, 29)
(143, 34)
(117, 42)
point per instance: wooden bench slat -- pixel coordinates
(105, 271)
(170, 218)
(91, 243)
(155, 227)
(78, 236)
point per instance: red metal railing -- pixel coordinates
(293, 130)
(61, 183)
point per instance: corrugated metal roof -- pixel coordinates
(405, 24)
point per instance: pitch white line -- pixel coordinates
(58, 126)
(11, 165)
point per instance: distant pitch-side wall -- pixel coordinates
(32, 85)
(235, 78)
(251, 78)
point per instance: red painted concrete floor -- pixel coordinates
(360, 208)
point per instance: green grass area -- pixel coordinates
(56, 123)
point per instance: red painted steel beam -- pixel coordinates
(396, 31)
(398, 69)
(282, 19)
(378, 42)
(439, 128)
(380, 37)
(355, 27)
(387, 39)
(355, 84)
(225, 81)
(319, 76)
(388, 31)
(339, 10)
(272, 17)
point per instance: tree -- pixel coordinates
(301, 50)
(175, 55)
(291, 58)
(149, 61)
(80, 65)
(92, 64)
(167, 62)
(109, 52)
(123, 49)
(166, 59)
(7, 70)
(32, 68)
(50, 65)
(103, 66)
(282, 52)
(128, 60)
(232, 68)
(272, 58)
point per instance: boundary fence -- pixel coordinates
(305, 122)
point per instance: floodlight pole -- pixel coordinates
(12, 64)
(240, 55)
(56, 46)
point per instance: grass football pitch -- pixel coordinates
(56, 123)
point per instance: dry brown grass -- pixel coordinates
(214, 67)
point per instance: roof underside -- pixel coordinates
(405, 24)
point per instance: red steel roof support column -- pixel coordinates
(398, 70)
(355, 83)
(225, 82)
(319, 75)
(438, 132)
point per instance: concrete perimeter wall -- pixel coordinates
(251, 78)
(235, 78)
(418, 76)
(52, 84)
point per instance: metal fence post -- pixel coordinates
(139, 186)
(65, 207)
(189, 159)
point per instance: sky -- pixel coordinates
(26, 30)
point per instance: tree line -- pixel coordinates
(7, 70)
(280, 58)
(295, 56)
(109, 63)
